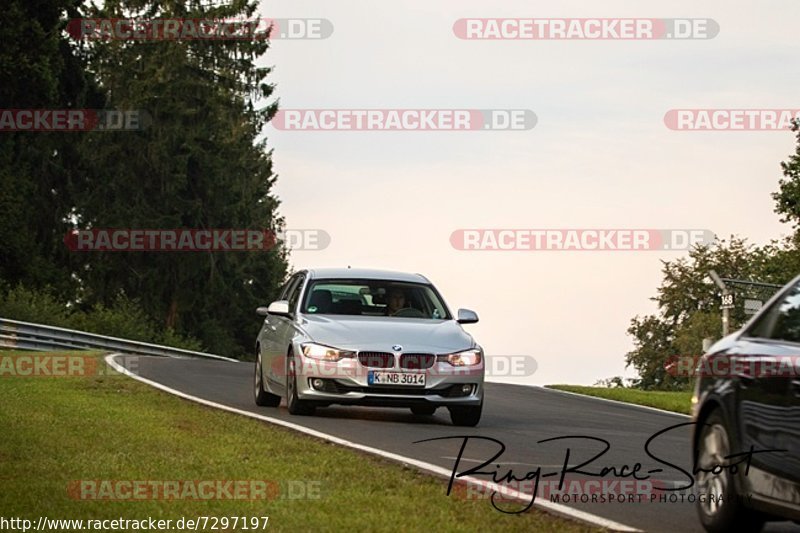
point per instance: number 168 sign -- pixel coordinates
(727, 301)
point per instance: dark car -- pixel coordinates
(747, 398)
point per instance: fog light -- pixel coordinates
(466, 389)
(318, 384)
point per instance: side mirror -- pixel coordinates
(467, 316)
(279, 308)
(262, 311)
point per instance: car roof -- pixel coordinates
(365, 273)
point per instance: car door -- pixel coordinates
(769, 404)
(283, 331)
(270, 342)
(785, 337)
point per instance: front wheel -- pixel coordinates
(262, 397)
(721, 508)
(468, 415)
(295, 405)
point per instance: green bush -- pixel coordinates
(170, 338)
(20, 303)
(126, 318)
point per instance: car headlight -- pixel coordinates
(465, 358)
(324, 353)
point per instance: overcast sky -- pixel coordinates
(600, 156)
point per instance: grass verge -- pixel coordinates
(58, 430)
(676, 401)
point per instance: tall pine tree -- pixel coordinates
(199, 164)
(40, 68)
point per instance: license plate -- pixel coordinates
(403, 379)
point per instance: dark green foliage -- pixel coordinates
(689, 303)
(787, 199)
(125, 318)
(200, 164)
(39, 69)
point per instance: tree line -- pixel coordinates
(689, 303)
(200, 162)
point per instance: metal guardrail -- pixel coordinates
(38, 337)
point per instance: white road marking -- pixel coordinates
(555, 508)
(647, 407)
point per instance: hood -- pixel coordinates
(381, 333)
(725, 342)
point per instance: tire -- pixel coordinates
(423, 410)
(262, 397)
(729, 513)
(295, 405)
(468, 415)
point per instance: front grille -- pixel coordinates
(417, 361)
(376, 359)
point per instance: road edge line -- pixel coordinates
(554, 508)
(620, 402)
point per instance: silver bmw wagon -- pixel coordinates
(367, 337)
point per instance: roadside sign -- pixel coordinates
(727, 301)
(752, 307)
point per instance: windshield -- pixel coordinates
(374, 298)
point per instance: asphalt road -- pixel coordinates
(518, 416)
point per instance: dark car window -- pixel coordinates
(285, 289)
(294, 292)
(290, 285)
(370, 297)
(786, 323)
(762, 327)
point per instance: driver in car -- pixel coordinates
(395, 301)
